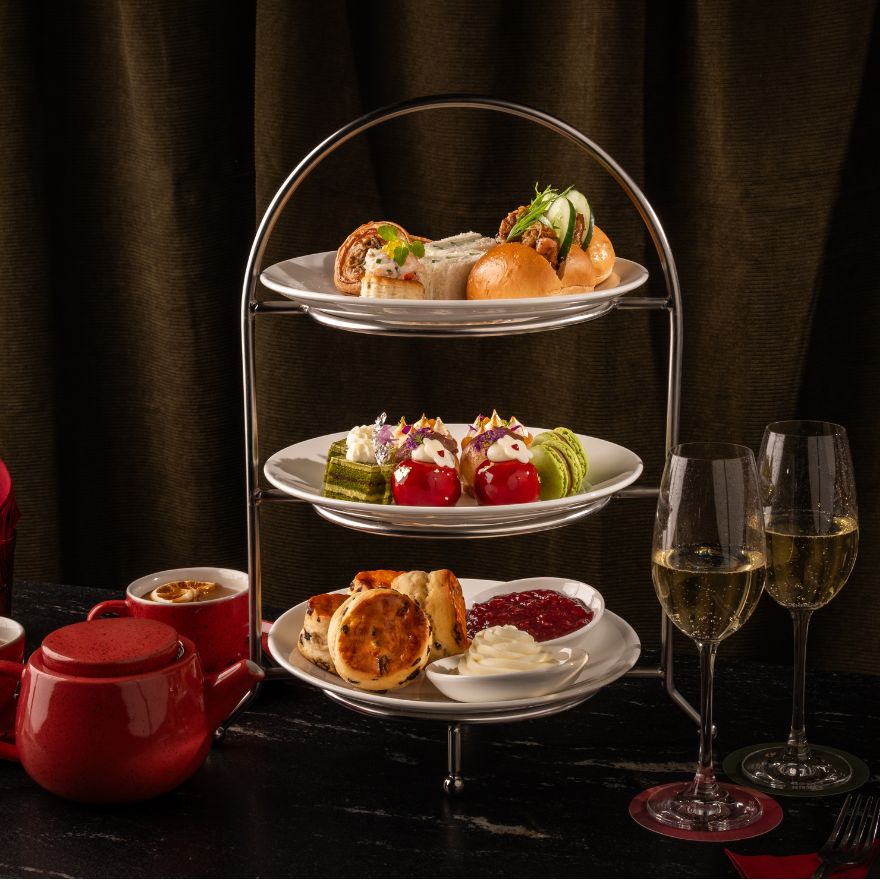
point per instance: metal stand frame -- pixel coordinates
(252, 308)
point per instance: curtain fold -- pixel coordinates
(143, 140)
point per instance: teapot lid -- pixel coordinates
(111, 647)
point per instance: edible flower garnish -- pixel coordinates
(487, 429)
(535, 211)
(395, 248)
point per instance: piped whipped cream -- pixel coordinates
(509, 448)
(360, 444)
(500, 649)
(431, 451)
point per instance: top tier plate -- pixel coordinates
(308, 281)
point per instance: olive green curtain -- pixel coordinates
(142, 140)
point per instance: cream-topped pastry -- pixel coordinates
(481, 436)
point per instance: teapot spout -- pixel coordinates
(226, 689)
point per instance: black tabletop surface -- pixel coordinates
(304, 787)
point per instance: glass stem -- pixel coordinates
(797, 748)
(705, 788)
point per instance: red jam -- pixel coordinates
(544, 614)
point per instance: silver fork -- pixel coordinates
(851, 838)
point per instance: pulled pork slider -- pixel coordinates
(550, 247)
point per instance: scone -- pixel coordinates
(371, 580)
(439, 596)
(312, 643)
(379, 639)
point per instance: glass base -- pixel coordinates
(824, 768)
(675, 805)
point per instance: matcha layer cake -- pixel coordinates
(355, 480)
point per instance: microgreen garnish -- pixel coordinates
(397, 249)
(536, 210)
(388, 232)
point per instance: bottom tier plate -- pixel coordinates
(612, 644)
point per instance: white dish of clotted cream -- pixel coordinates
(505, 663)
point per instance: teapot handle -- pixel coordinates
(119, 607)
(8, 669)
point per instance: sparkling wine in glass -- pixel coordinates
(708, 563)
(809, 497)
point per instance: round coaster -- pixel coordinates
(733, 762)
(770, 818)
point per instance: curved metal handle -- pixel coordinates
(476, 102)
(370, 120)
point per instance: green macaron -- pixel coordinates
(553, 471)
(574, 442)
(567, 447)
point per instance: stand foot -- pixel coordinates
(453, 784)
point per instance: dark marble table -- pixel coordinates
(303, 787)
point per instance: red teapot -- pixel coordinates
(118, 710)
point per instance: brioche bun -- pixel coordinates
(512, 270)
(602, 254)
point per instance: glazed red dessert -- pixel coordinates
(422, 484)
(543, 614)
(506, 482)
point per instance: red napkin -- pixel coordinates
(9, 512)
(786, 866)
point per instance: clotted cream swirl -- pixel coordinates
(501, 649)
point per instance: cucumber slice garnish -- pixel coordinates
(589, 234)
(582, 206)
(561, 215)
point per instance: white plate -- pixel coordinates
(308, 281)
(298, 470)
(613, 647)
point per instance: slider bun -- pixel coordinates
(513, 270)
(379, 639)
(602, 254)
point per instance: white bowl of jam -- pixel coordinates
(554, 611)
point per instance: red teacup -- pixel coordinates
(11, 651)
(218, 627)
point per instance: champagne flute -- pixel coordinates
(809, 496)
(708, 560)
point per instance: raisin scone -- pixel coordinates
(370, 580)
(379, 639)
(312, 642)
(439, 595)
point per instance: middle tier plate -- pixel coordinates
(298, 471)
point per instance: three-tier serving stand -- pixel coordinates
(257, 496)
